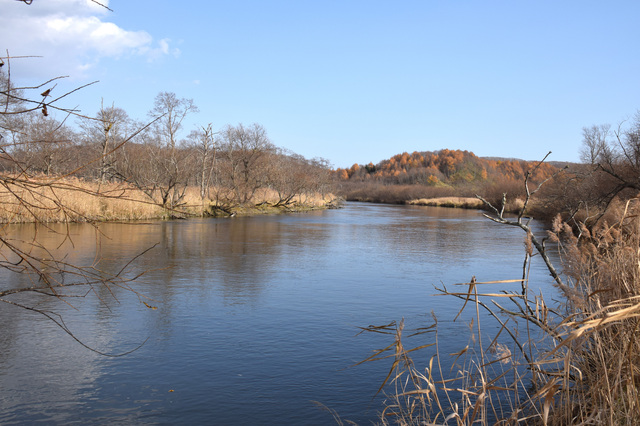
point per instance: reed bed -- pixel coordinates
(457, 202)
(46, 200)
(572, 362)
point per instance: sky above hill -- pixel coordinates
(352, 81)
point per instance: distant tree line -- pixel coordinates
(445, 166)
(432, 174)
(229, 166)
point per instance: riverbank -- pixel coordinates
(453, 202)
(472, 203)
(48, 200)
(463, 196)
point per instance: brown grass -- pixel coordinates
(600, 343)
(465, 203)
(71, 200)
(392, 194)
(45, 200)
(577, 363)
(457, 202)
(441, 195)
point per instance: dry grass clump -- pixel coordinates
(457, 202)
(600, 331)
(489, 381)
(576, 363)
(512, 206)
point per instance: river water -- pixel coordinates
(256, 317)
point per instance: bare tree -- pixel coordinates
(158, 164)
(595, 143)
(43, 144)
(244, 151)
(288, 176)
(163, 168)
(615, 160)
(292, 175)
(203, 140)
(629, 142)
(156, 171)
(108, 129)
(11, 104)
(172, 111)
(321, 175)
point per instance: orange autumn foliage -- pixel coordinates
(450, 167)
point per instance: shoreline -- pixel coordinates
(72, 200)
(468, 203)
(190, 212)
(270, 209)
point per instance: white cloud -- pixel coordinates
(164, 45)
(71, 35)
(164, 48)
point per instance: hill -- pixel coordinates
(434, 174)
(444, 167)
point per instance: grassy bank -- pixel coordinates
(464, 203)
(463, 195)
(455, 202)
(74, 200)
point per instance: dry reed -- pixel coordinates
(577, 363)
(72, 200)
(458, 202)
(45, 200)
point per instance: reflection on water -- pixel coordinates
(256, 316)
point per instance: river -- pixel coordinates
(256, 317)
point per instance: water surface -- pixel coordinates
(256, 317)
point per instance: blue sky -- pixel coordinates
(352, 81)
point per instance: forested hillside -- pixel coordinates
(436, 174)
(449, 167)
